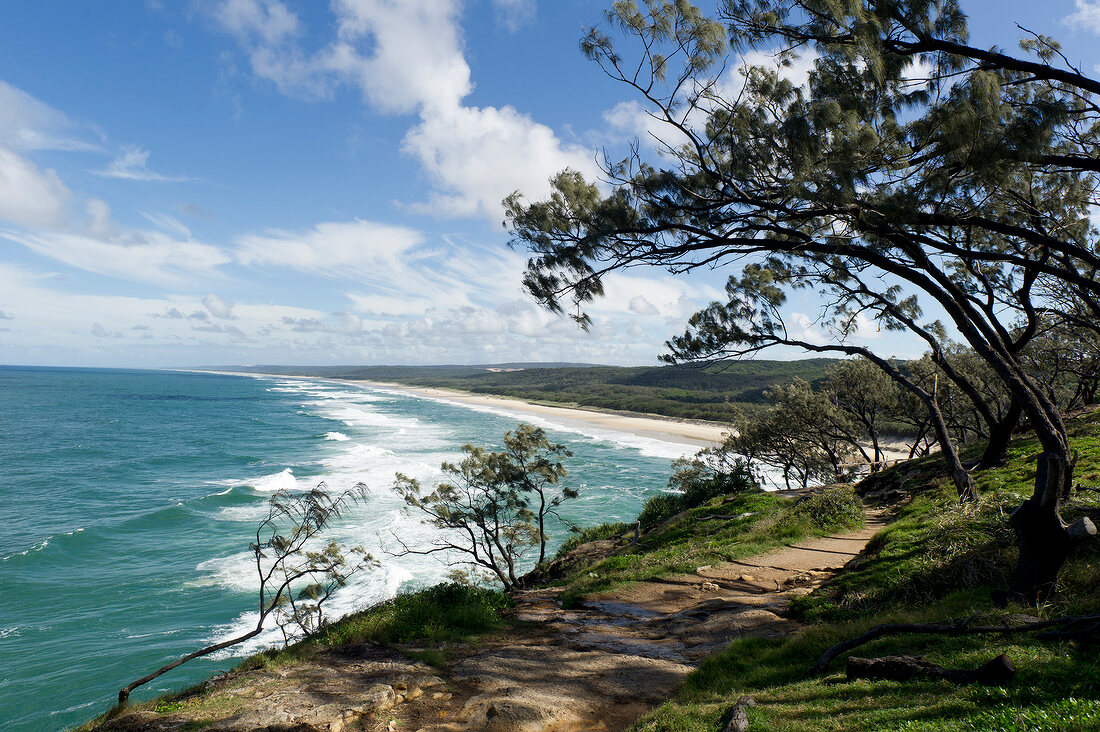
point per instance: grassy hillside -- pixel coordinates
(937, 561)
(711, 393)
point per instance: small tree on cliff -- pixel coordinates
(491, 511)
(295, 576)
(914, 169)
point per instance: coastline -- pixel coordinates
(691, 433)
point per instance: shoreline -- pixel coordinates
(695, 434)
(691, 434)
(667, 429)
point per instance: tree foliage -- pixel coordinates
(493, 507)
(913, 172)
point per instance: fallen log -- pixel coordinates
(996, 672)
(954, 627)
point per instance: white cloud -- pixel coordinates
(416, 58)
(514, 14)
(268, 20)
(640, 306)
(634, 119)
(131, 164)
(167, 223)
(29, 196)
(342, 250)
(132, 254)
(407, 56)
(1087, 15)
(477, 156)
(29, 124)
(802, 327)
(396, 270)
(218, 307)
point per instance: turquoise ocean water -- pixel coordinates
(130, 498)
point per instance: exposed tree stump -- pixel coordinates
(998, 671)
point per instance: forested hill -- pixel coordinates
(711, 392)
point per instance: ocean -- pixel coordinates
(133, 496)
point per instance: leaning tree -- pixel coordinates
(913, 173)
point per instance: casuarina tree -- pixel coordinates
(911, 173)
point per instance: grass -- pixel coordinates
(937, 561)
(720, 530)
(444, 613)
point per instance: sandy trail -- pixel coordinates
(598, 666)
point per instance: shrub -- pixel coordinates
(834, 508)
(443, 612)
(608, 530)
(708, 475)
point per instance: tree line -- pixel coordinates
(830, 431)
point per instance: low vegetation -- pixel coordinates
(938, 560)
(720, 529)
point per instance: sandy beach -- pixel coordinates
(688, 433)
(695, 434)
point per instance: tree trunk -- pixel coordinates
(1043, 537)
(1000, 434)
(964, 486)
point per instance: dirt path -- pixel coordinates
(598, 666)
(594, 667)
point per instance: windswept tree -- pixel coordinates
(914, 172)
(491, 509)
(296, 571)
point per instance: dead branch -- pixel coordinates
(955, 627)
(996, 672)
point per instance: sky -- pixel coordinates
(205, 182)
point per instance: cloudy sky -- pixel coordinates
(266, 181)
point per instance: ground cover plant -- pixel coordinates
(937, 561)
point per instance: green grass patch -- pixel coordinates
(445, 612)
(720, 530)
(936, 547)
(1057, 686)
(609, 530)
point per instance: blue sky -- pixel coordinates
(256, 181)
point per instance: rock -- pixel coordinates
(429, 682)
(739, 716)
(379, 697)
(1081, 529)
(704, 568)
(709, 587)
(747, 578)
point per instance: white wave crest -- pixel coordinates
(283, 480)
